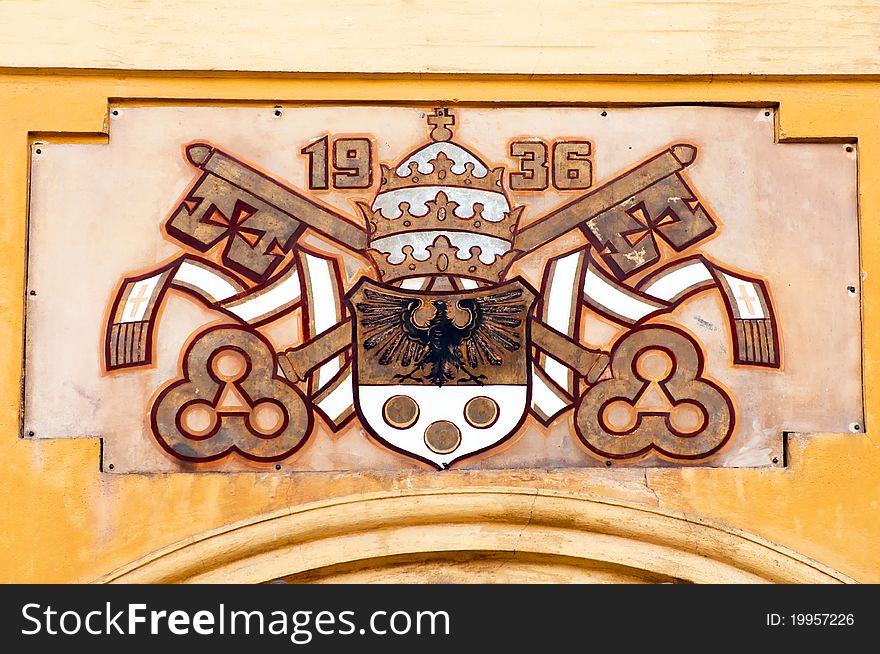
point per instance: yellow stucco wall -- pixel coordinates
(61, 520)
(812, 37)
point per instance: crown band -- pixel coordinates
(443, 258)
(440, 214)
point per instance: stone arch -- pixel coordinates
(475, 534)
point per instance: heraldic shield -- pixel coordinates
(441, 375)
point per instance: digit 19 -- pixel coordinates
(352, 163)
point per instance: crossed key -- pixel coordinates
(269, 217)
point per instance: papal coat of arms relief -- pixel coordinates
(456, 307)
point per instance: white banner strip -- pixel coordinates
(273, 299)
(214, 286)
(546, 400)
(325, 308)
(560, 310)
(669, 285)
(615, 299)
(338, 403)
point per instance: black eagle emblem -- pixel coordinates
(441, 348)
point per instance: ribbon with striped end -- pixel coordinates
(575, 279)
(130, 331)
(129, 337)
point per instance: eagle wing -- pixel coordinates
(494, 327)
(389, 327)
